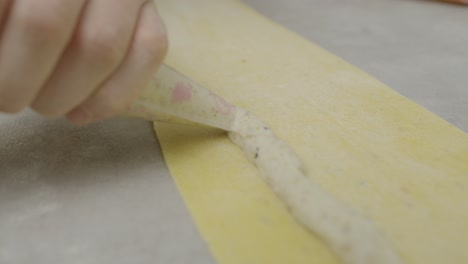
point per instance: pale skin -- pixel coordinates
(86, 60)
(83, 59)
(462, 2)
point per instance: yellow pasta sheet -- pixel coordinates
(388, 158)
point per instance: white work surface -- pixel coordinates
(102, 194)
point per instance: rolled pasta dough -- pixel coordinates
(390, 160)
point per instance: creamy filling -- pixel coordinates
(354, 238)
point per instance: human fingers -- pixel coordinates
(33, 36)
(147, 51)
(4, 4)
(97, 49)
(462, 2)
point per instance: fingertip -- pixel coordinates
(80, 116)
(12, 108)
(44, 109)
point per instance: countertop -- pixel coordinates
(103, 194)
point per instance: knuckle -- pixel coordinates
(44, 27)
(111, 103)
(154, 44)
(107, 49)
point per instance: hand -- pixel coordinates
(86, 59)
(462, 2)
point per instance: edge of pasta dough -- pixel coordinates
(389, 159)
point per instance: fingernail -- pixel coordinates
(80, 116)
